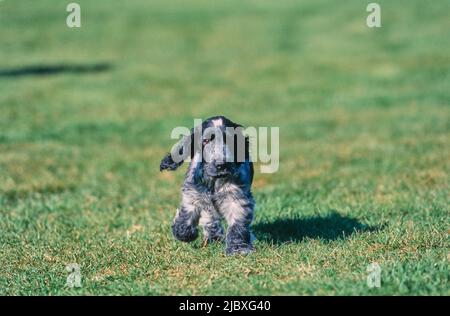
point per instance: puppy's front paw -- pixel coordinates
(183, 232)
(239, 240)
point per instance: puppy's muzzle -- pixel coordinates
(219, 169)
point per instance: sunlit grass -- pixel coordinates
(364, 145)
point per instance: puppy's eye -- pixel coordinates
(206, 140)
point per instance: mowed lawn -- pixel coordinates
(86, 116)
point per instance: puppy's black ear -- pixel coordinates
(247, 148)
(238, 143)
(248, 158)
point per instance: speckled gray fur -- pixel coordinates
(207, 198)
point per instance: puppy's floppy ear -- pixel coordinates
(247, 148)
(180, 152)
(167, 163)
(237, 143)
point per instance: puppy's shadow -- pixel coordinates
(331, 227)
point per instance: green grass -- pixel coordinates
(364, 121)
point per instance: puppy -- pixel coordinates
(217, 185)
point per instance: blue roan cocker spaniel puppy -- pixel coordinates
(217, 185)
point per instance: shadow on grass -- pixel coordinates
(331, 227)
(47, 70)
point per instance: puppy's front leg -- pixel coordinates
(239, 215)
(239, 239)
(185, 223)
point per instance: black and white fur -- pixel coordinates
(215, 188)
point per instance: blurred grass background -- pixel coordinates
(86, 115)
